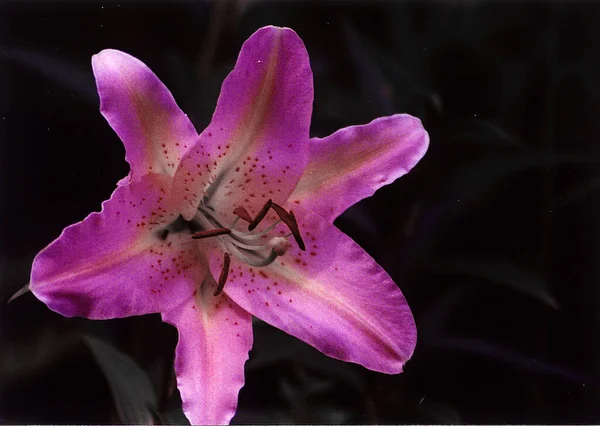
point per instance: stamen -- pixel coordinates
(261, 215)
(251, 237)
(257, 262)
(290, 220)
(251, 247)
(223, 275)
(164, 234)
(296, 232)
(243, 214)
(211, 233)
(283, 215)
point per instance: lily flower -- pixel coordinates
(210, 229)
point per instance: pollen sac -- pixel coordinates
(290, 221)
(211, 233)
(280, 245)
(243, 214)
(223, 276)
(260, 216)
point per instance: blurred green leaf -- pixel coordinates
(578, 192)
(175, 416)
(376, 89)
(483, 174)
(500, 271)
(440, 308)
(290, 349)
(512, 357)
(486, 132)
(59, 70)
(132, 390)
(172, 411)
(439, 412)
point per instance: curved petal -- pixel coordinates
(354, 162)
(116, 263)
(256, 145)
(215, 336)
(138, 106)
(333, 296)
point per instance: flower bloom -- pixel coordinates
(210, 229)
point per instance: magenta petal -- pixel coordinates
(115, 263)
(215, 336)
(137, 105)
(256, 145)
(354, 162)
(333, 296)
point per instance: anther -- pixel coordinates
(261, 215)
(296, 232)
(283, 215)
(211, 233)
(243, 214)
(223, 275)
(290, 220)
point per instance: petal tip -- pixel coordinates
(112, 60)
(412, 127)
(275, 31)
(106, 55)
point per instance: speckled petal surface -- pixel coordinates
(352, 163)
(256, 145)
(215, 336)
(138, 106)
(333, 296)
(115, 264)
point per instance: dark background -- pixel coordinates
(494, 238)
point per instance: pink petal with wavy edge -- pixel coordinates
(215, 336)
(333, 296)
(256, 145)
(115, 264)
(137, 105)
(354, 162)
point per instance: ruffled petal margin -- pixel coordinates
(138, 106)
(333, 296)
(352, 163)
(215, 336)
(119, 262)
(256, 145)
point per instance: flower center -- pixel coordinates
(253, 247)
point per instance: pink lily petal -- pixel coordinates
(115, 263)
(354, 162)
(256, 145)
(333, 296)
(215, 336)
(138, 106)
